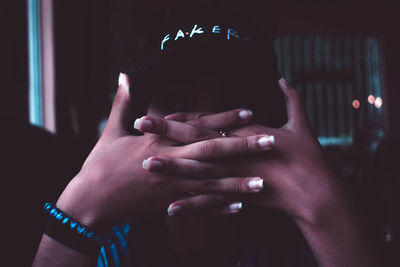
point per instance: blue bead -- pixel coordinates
(47, 206)
(53, 211)
(75, 226)
(80, 229)
(59, 216)
(90, 234)
(72, 224)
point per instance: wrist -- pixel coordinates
(66, 230)
(329, 202)
(79, 201)
(335, 229)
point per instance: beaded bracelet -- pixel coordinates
(73, 234)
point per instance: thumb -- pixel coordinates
(119, 119)
(296, 111)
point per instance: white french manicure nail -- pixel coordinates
(136, 125)
(123, 81)
(172, 210)
(236, 206)
(272, 139)
(256, 184)
(146, 164)
(142, 124)
(266, 141)
(245, 114)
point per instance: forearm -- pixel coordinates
(338, 237)
(53, 253)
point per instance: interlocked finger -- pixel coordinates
(187, 168)
(206, 203)
(178, 131)
(230, 185)
(223, 148)
(219, 121)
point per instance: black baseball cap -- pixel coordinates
(227, 48)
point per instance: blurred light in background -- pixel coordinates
(371, 99)
(378, 102)
(35, 63)
(356, 104)
(41, 64)
(336, 74)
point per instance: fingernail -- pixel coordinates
(155, 165)
(152, 164)
(172, 210)
(256, 184)
(266, 141)
(123, 81)
(245, 114)
(146, 164)
(136, 125)
(142, 124)
(236, 206)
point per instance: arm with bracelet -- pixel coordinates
(114, 187)
(200, 165)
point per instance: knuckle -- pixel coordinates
(209, 148)
(165, 127)
(244, 145)
(235, 186)
(239, 187)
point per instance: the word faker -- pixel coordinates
(230, 33)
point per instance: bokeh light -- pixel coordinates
(388, 238)
(371, 99)
(378, 102)
(356, 104)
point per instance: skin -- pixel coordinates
(299, 183)
(293, 170)
(112, 184)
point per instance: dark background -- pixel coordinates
(93, 39)
(88, 59)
